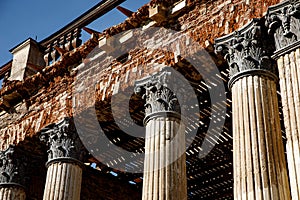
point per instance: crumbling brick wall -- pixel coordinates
(50, 93)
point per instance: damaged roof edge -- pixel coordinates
(5, 68)
(86, 18)
(22, 43)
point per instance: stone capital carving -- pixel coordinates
(62, 140)
(247, 51)
(13, 166)
(283, 22)
(157, 93)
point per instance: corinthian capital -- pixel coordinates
(13, 165)
(283, 22)
(247, 51)
(62, 140)
(157, 92)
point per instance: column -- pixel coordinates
(165, 161)
(12, 174)
(258, 153)
(283, 21)
(64, 169)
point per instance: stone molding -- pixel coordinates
(283, 23)
(164, 114)
(13, 164)
(62, 140)
(155, 90)
(65, 160)
(248, 51)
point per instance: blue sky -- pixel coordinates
(21, 19)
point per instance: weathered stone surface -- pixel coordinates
(13, 166)
(63, 140)
(248, 51)
(27, 60)
(155, 91)
(12, 193)
(283, 21)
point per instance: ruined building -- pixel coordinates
(183, 100)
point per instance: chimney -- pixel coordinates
(27, 60)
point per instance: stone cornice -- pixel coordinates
(13, 164)
(248, 51)
(157, 93)
(62, 140)
(23, 45)
(283, 22)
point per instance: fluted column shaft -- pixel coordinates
(163, 178)
(63, 180)
(258, 154)
(11, 192)
(283, 23)
(64, 170)
(13, 170)
(289, 73)
(165, 160)
(259, 162)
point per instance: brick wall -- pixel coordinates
(51, 98)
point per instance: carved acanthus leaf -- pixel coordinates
(157, 93)
(13, 166)
(62, 140)
(246, 49)
(283, 22)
